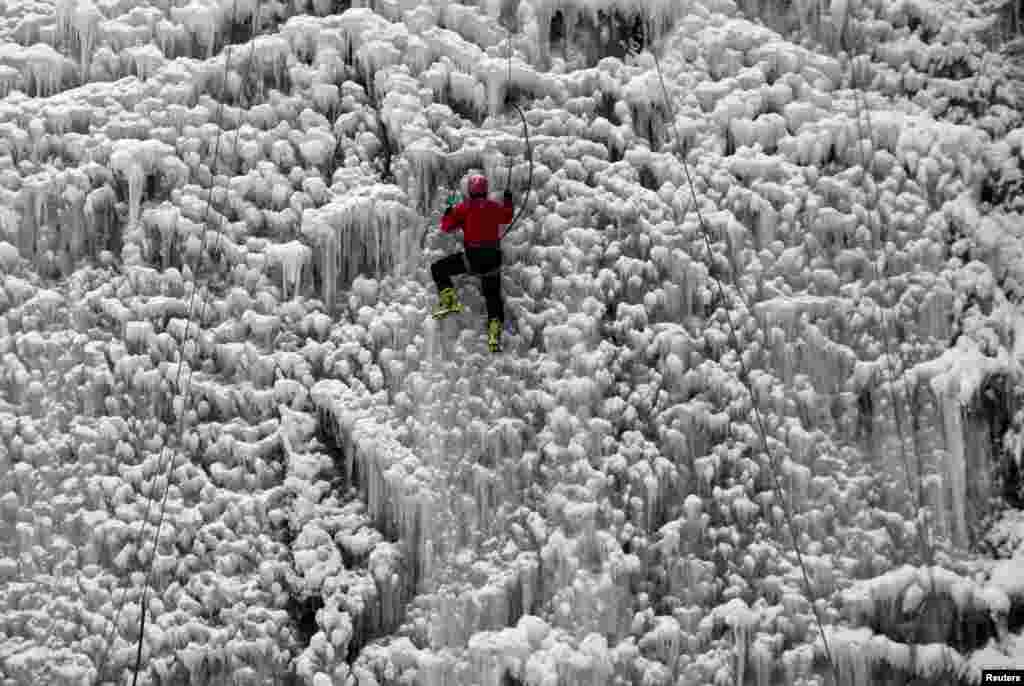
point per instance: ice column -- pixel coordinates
(947, 388)
(427, 161)
(293, 257)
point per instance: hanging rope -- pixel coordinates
(508, 98)
(522, 207)
(508, 179)
(529, 180)
(526, 138)
(744, 378)
(924, 539)
(166, 471)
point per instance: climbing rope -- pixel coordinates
(529, 180)
(508, 179)
(526, 198)
(927, 545)
(166, 471)
(744, 378)
(526, 138)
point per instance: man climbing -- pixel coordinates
(480, 219)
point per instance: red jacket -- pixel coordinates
(479, 219)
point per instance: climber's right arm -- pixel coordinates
(454, 218)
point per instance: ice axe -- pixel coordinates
(452, 200)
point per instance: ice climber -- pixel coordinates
(480, 219)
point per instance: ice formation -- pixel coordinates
(226, 242)
(371, 227)
(292, 257)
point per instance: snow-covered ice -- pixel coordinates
(214, 303)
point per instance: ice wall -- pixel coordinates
(957, 378)
(371, 227)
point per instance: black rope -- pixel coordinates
(744, 378)
(202, 315)
(508, 96)
(177, 382)
(508, 100)
(508, 181)
(927, 545)
(897, 415)
(529, 180)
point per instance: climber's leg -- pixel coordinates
(445, 268)
(442, 271)
(487, 263)
(491, 286)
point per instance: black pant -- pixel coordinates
(481, 260)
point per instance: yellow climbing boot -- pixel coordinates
(449, 304)
(494, 335)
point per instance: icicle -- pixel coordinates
(33, 197)
(201, 21)
(74, 198)
(295, 260)
(36, 132)
(166, 218)
(948, 389)
(146, 59)
(330, 269)
(45, 65)
(377, 238)
(742, 621)
(293, 257)
(494, 73)
(136, 177)
(64, 19)
(39, 202)
(764, 660)
(349, 257)
(87, 18)
(849, 651)
(427, 161)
